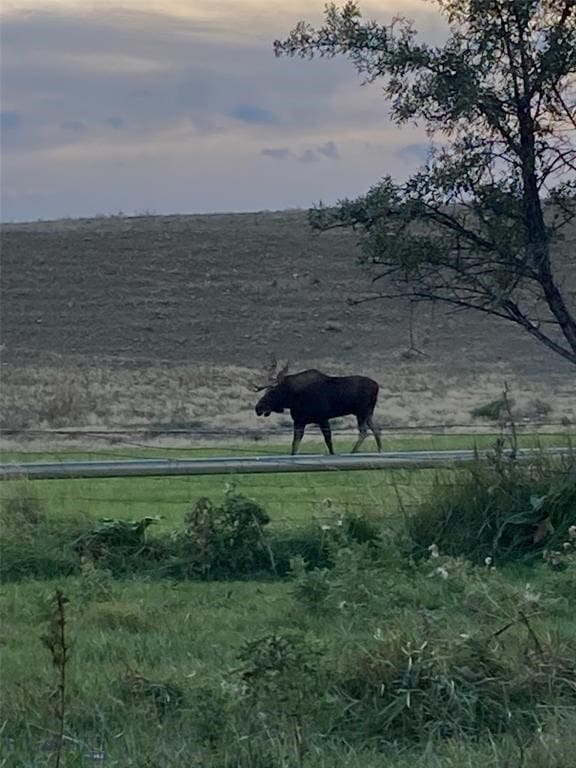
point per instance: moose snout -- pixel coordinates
(261, 411)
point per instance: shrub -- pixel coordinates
(35, 546)
(307, 543)
(312, 588)
(282, 674)
(163, 697)
(492, 411)
(500, 509)
(413, 687)
(225, 539)
(21, 507)
(115, 538)
(217, 541)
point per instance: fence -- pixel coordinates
(118, 483)
(253, 465)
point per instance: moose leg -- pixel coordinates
(298, 435)
(327, 432)
(363, 432)
(376, 432)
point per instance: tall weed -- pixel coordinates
(502, 509)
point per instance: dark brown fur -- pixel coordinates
(313, 397)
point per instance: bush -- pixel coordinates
(21, 507)
(224, 540)
(414, 687)
(501, 509)
(492, 411)
(44, 553)
(115, 539)
(282, 674)
(217, 541)
(33, 545)
(160, 696)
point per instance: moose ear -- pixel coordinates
(282, 372)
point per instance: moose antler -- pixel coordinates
(271, 376)
(282, 372)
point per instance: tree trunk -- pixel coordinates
(538, 244)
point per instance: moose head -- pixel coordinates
(274, 399)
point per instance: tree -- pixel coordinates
(475, 227)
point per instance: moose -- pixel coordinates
(313, 397)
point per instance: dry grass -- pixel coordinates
(161, 320)
(211, 400)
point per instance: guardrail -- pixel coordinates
(54, 470)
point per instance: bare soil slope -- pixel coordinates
(206, 298)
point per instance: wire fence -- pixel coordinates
(382, 484)
(289, 499)
(294, 499)
(252, 433)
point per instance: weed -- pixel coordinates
(95, 584)
(284, 681)
(128, 536)
(492, 411)
(311, 588)
(224, 539)
(164, 697)
(21, 507)
(57, 643)
(502, 510)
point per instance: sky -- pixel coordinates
(180, 106)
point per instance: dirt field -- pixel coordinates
(162, 320)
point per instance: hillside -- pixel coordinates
(170, 306)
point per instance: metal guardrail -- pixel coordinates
(54, 470)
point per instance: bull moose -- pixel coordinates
(313, 397)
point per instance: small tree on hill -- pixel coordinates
(469, 229)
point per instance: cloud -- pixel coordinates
(249, 113)
(10, 121)
(131, 99)
(73, 126)
(329, 150)
(411, 152)
(114, 122)
(276, 152)
(308, 156)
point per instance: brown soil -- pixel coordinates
(143, 313)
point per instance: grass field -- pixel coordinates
(180, 673)
(147, 637)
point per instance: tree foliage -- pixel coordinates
(476, 227)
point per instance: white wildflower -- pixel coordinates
(529, 595)
(434, 551)
(487, 562)
(572, 533)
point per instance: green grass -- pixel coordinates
(135, 639)
(189, 636)
(288, 498)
